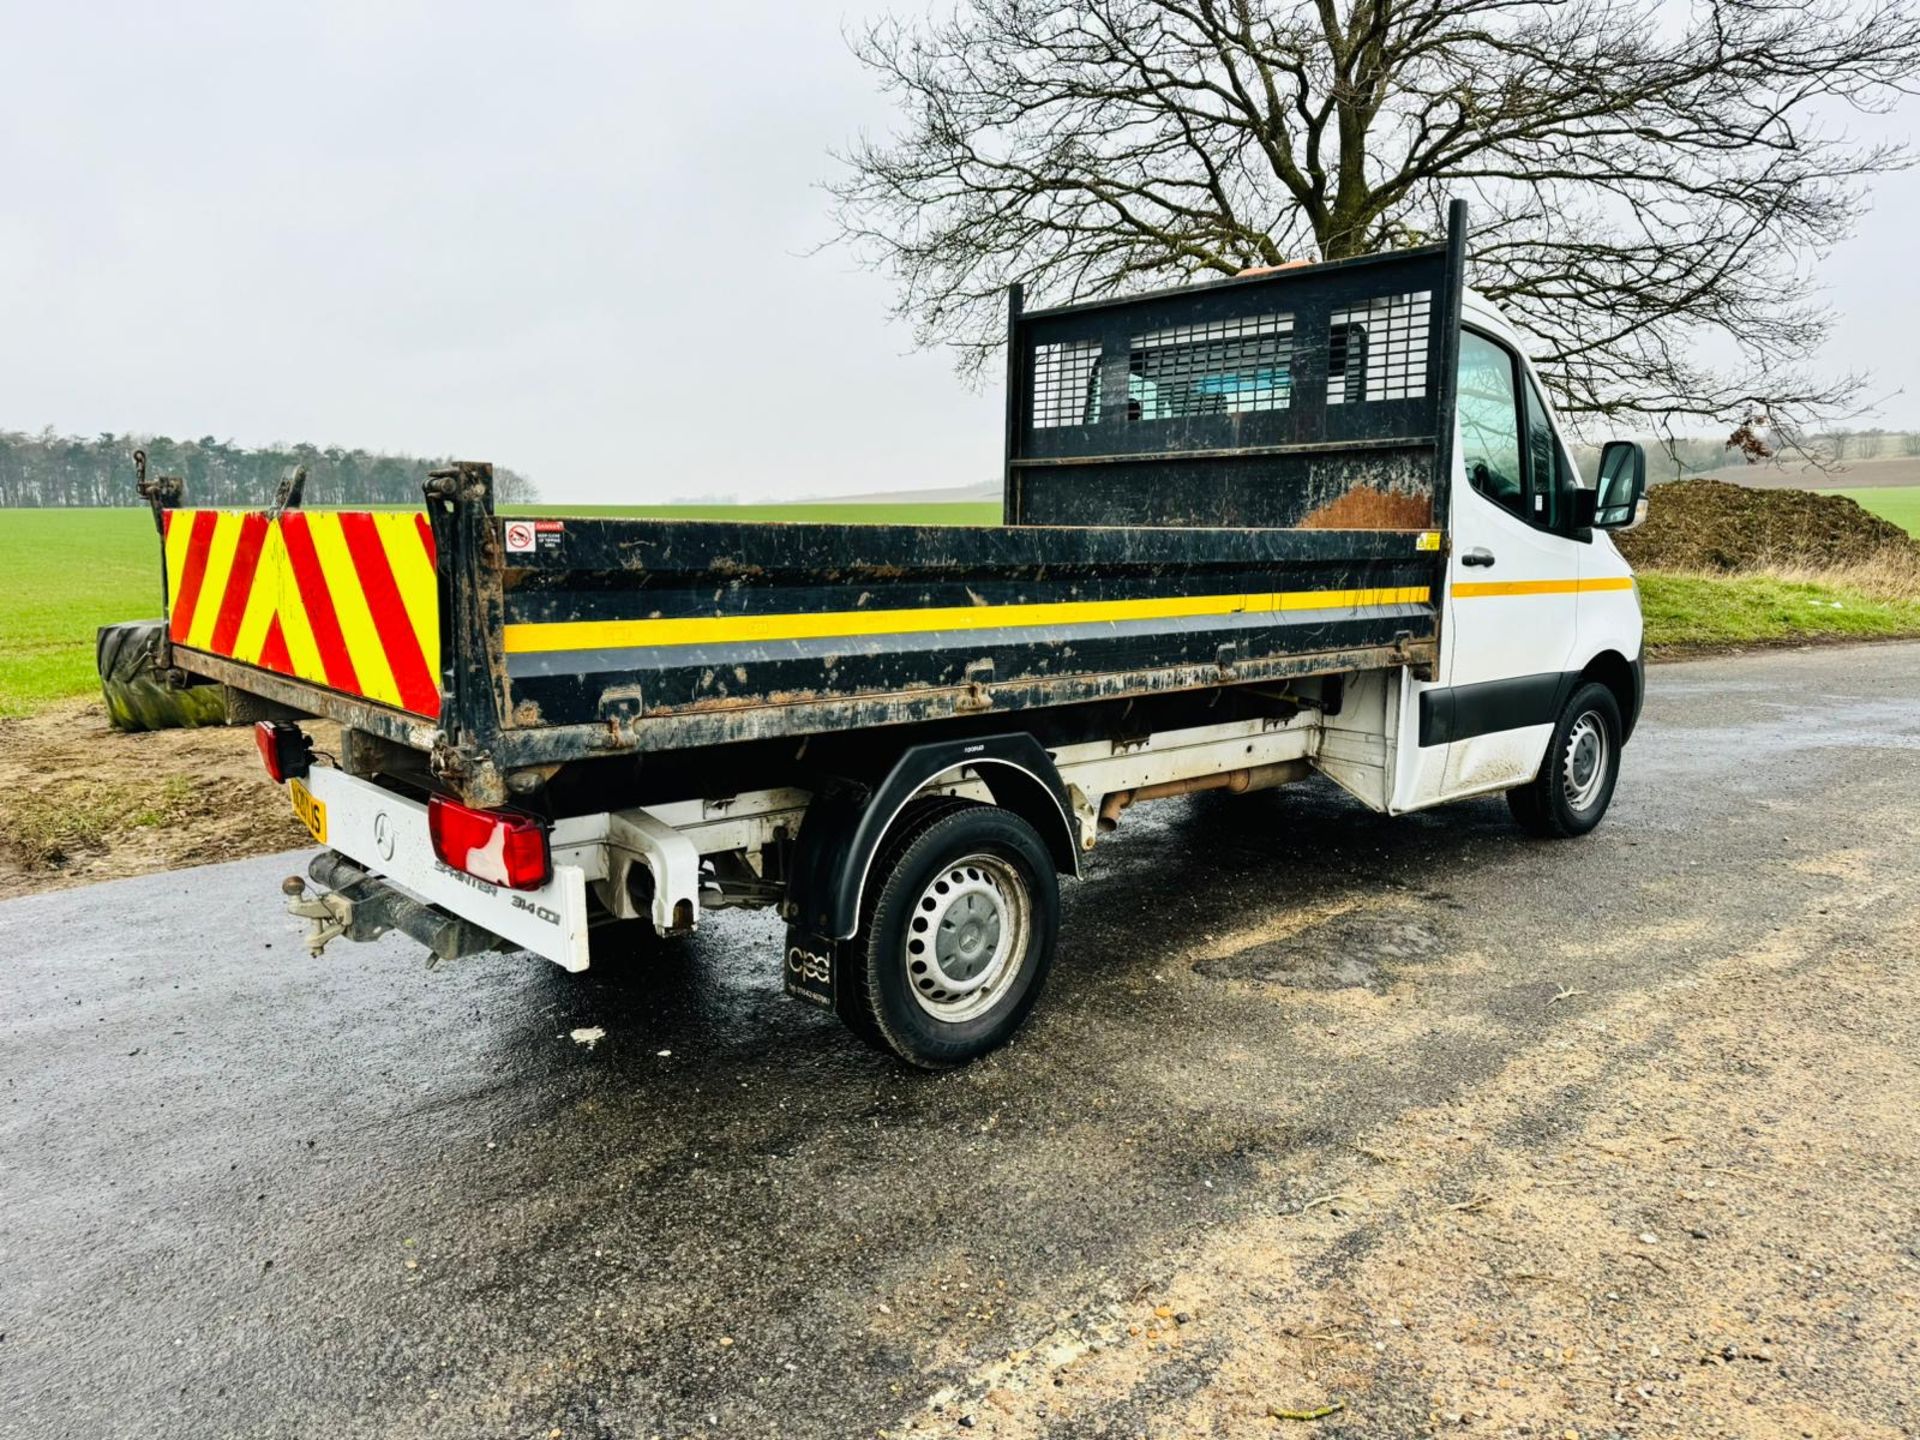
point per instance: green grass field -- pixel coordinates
(1707, 610)
(1898, 503)
(70, 571)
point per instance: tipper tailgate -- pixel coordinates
(345, 599)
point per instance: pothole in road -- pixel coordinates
(1355, 950)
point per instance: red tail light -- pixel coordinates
(284, 749)
(498, 846)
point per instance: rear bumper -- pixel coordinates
(385, 836)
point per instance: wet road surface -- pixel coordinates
(250, 1193)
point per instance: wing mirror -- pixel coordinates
(1619, 498)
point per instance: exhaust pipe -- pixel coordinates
(1234, 782)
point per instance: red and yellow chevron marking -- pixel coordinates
(343, 598)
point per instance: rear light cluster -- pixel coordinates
(502, 847)
(285, 750)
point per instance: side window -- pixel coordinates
(1546, 466)
(1490, 422)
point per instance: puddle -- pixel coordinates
(1359, 949)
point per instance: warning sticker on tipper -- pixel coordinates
(1429, 540)
(524, 537)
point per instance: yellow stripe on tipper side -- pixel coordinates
(350, 605)
(271, 577)
(531, 639)
(213, 585)
(1482, 589)
(179, 538)
(1347, 599)
(296, 628)
(413, 576)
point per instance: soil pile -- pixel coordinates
(85, 802)
(1711, 525)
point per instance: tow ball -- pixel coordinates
(330, 914)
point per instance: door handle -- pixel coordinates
(1479, 555)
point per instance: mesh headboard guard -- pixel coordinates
(1317, 397)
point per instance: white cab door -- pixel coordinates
(1513, 578)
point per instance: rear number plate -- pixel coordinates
(312, 812)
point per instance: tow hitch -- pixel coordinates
(331, 913)
(362, 906)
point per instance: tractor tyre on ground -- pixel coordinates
(137, 695)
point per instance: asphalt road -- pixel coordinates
(248, 1193)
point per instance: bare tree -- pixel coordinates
(1648, 188)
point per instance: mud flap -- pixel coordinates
(809, 967)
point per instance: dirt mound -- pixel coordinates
(86, 802)
(1711, 525)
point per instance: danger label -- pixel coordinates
(526, 536)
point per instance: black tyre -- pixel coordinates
(1576, 779)
(957, 934)
(131, 684)
(852, 1000)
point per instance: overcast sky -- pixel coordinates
(572, 239)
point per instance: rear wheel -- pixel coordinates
(1576, 779)
(957, 934)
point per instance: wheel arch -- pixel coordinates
(1625, 678)
(847, 823)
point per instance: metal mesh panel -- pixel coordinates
(1066, 389)
(1224, 367)
(1300, 398)
(1378, 351)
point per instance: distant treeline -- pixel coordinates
(1690, 455)
(55, 470)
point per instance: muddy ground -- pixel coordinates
(1461, 1133)
(81, 801)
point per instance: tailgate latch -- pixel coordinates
(977, 696)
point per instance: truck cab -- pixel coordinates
(1539, 600)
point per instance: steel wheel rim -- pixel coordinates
(966, 938)
(1583, 762)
